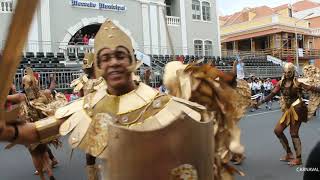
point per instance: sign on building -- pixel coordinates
(98, 5)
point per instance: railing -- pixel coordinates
(315, 32)
(173, 20)
(263, 72)
(285, 53)
(66, 48)
(244, 54)
(63, 78)
(279, 53)
(79, 48)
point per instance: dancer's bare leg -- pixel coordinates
(294, 132)
(52, 158)
(41, 161)
(284, 141)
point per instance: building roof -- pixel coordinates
(243, 15)
(298, 6)
(278, 8)
(304, 13)
(305, 4)
(261, 11)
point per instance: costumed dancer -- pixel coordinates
(132, 126)
(85, 84)
(223, 96)
(294, 111)
(38, 105)
(311, 76)
(244, 91)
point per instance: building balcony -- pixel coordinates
(315, 32)
(173, 20)
(281, 53)
(263, 24)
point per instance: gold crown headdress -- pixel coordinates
(28, 79)
(30, 84)
(88, 60)
(288, 67)
(111, 36)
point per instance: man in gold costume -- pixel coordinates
(294, 110)
(139, 133)
(85, 84)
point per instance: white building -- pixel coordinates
(192, 25)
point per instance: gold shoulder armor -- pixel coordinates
(99, 83)
(69, 109)
(80, 121)
(79, 83)
(78, 124)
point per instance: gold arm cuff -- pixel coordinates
(48, 129)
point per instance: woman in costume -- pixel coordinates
(294, 110)
(38, 105)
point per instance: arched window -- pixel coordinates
(7, 6)
(2, 6)
(168, 7)
(208, 48)
(198, 48)
(206, 11)
(196, 12)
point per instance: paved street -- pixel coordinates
(262, 150)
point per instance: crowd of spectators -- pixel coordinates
(82, 39)
(261, 88)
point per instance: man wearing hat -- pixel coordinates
(139, 133)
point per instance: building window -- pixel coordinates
(208, 48)
(198, 49)
(196, 12)
(6, 6)
(206, 11)
(168, 7)
(290, 12)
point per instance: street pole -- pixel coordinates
(296, 39)
(297, 48)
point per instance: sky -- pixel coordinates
(226, 7)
